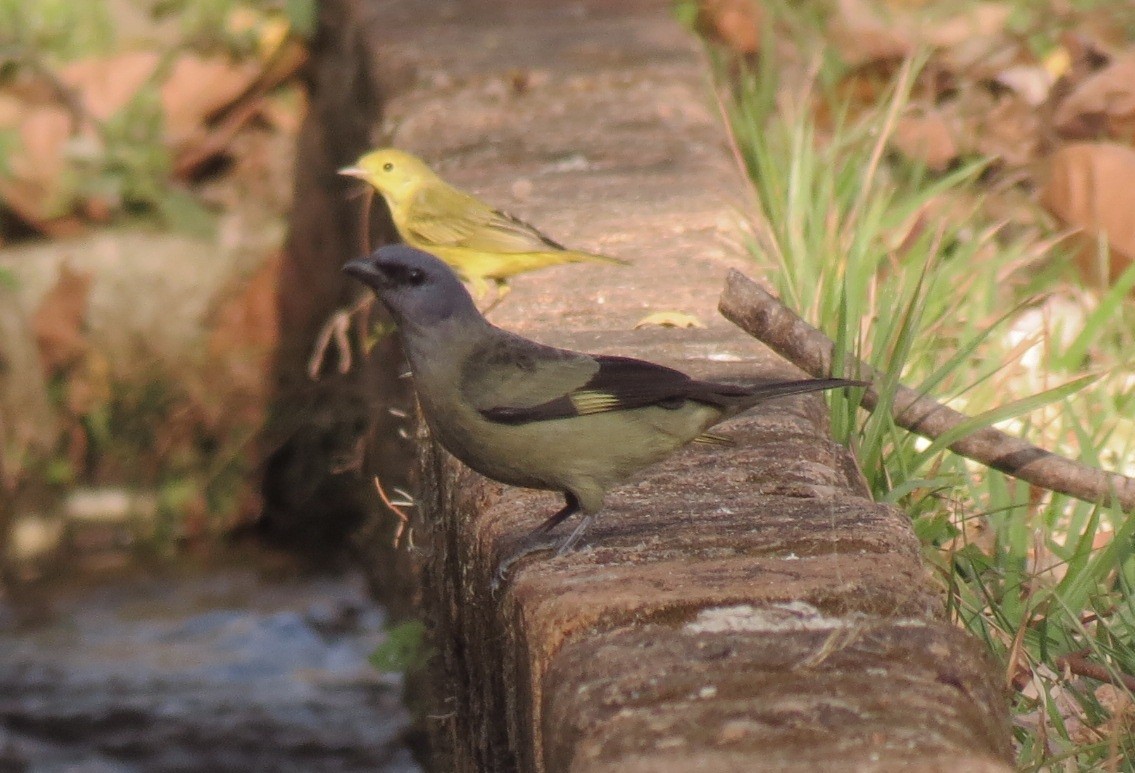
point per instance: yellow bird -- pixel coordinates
(480, 243)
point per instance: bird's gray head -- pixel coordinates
(419, 289)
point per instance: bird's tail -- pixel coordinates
(576, 256)
(749, 396)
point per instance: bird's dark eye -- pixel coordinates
(388, 167)
(404, 275)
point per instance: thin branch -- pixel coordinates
(758, 313)
(403, 519)
(1079, 665)
(335, 329)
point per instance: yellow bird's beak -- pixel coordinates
(354, 171)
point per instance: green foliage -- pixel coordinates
(203, 23)
(64, 28)
(9, 146)
(209, 24)
(405, 648)
(127, 168)
(859, 246)
(302, 16)
(686, 12)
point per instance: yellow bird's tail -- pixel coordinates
(577, 256)
(501, 265)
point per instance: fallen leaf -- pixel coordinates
(734, 23)
(105, 84)
(1031, 82)
(196, 90)
(1001, 127)
(926, 139)
(209, 128)
(979, 20)
(861, 37)
(1058, 62)
(669, 319)
(1089, 189)
(59, 322)
(1102, 105)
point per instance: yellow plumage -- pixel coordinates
(481, 243)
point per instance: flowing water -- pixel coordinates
(197, 669)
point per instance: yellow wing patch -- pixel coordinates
(710, 439)
(587, 402)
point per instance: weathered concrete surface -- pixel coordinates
(744, 608)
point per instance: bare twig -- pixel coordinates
(1079, 665)
(758, 313)
(403, 519)
(285, 62)
(335, 329)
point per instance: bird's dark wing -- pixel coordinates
(446, 216)
(593, 384)
(512, 373)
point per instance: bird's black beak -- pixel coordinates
(367, 271)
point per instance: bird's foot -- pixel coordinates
(535, 542)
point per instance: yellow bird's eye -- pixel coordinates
(388, 167)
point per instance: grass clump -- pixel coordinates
(908, 271)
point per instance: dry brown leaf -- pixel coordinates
(105, 84)
(58, 323)
(1089, 189)
(1004, 128)
(734, 23)
(926, 139)
(863, 38)
(1031, 81)
(1102, 105)
(980, 20)
(669, 319)
(196, 90)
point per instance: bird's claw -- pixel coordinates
(533, 543)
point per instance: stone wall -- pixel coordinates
(739, 608)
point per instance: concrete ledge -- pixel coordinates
(707, 625)
(746, 608)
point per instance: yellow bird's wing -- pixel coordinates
(444, 216)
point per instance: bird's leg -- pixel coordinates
(570, 508)
(570, 541)
(537, 539)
